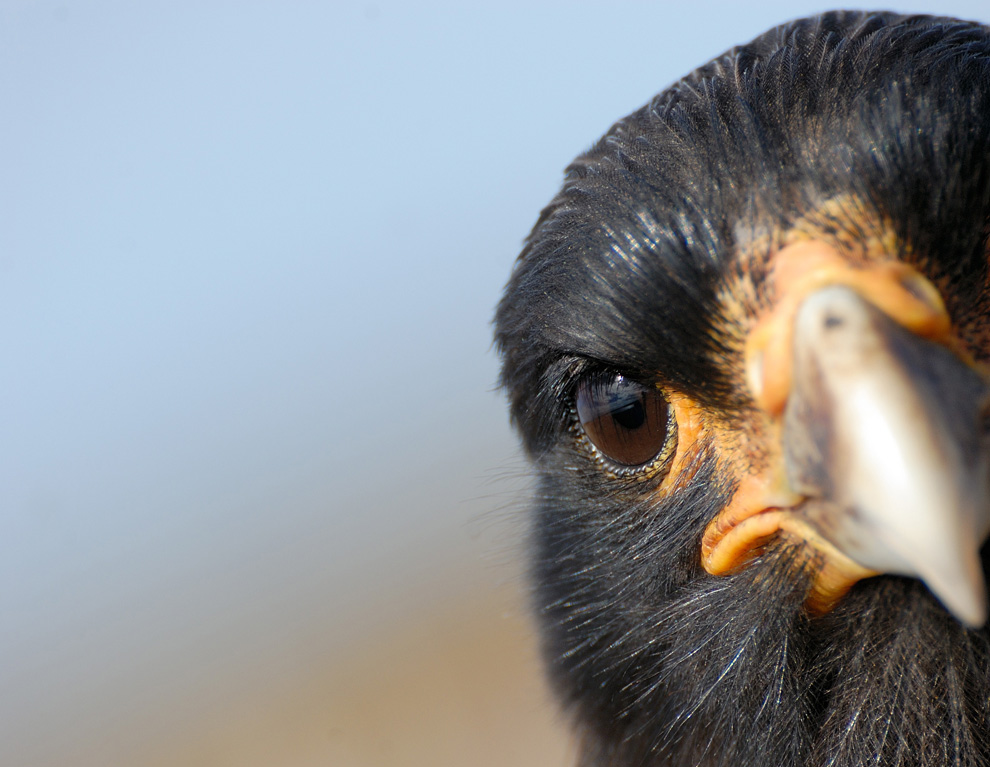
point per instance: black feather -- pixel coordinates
(661, 663)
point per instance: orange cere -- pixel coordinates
(897, 289)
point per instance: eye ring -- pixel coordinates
(626, 427)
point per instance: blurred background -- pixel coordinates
(260, 503)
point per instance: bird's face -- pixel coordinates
(746, 347)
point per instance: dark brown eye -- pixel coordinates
(625, 420)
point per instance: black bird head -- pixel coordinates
(746, 347)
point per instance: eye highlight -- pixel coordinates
(628, 423)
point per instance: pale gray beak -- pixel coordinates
(884, 433)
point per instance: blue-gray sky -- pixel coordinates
(249, 252)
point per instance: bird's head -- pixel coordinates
(746, 347)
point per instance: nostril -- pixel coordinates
(923, 290)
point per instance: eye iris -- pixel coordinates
(625, 420)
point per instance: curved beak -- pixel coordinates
(878, 457)
(883, 433)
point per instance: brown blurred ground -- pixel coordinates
(464, 688)
(458, 686)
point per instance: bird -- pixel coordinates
(746, 348)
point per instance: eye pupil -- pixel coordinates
(630, 416)
(625, 420)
